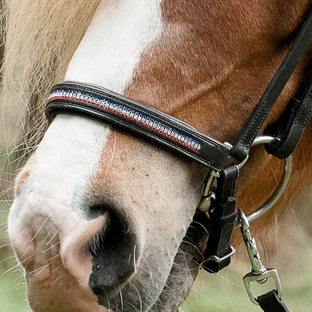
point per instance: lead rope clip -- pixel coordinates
(259, 273)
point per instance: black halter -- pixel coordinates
(156, 126)
(165, 130)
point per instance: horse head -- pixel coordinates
(102, 220)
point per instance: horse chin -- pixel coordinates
(136, 290)
(185, 267)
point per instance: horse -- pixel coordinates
(103, 220)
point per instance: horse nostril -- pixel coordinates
(113, 252)
(96, 211)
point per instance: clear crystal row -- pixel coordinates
(128, 113)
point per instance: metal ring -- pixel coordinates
(279, 190)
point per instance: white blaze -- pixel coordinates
(64, 162)
(106, 56)
(114, 41)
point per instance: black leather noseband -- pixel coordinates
(139, 119)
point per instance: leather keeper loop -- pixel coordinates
(228, 219)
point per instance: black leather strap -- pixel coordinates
(255, 121)
(222, 216)
(270, 302)
(291, 124)
(138, 118)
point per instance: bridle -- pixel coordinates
(223, 159)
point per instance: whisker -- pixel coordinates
(229, 281)
(53, 271)
(56, 232)
(5, 226)
(147, 291)
(40, 270)
(49, 260)
(42, 225)
(139, 297)
(201, 225)
(134, 262)
(58, 279)
(6, 259)
(121, 299)
(148, 270)
(5, 245)
(52, 246)
(15, 267)
(195, 247)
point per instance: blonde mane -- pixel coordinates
(40, 39)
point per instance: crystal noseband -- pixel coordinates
(138, 118)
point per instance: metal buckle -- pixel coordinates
(260, 279)
(279, 190)
(208, 197)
